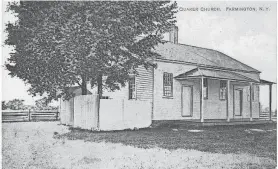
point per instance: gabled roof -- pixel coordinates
(200, 56)
(198, 72)
(77, 91)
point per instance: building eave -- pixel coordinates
(203, 65)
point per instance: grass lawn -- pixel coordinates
(242, 139)
(49, 145)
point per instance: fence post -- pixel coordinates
(29, 115)
(123, 111)
(57, 113)
(97, 110)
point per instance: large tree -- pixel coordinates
(60, 44)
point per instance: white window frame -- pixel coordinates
(167, 83)
(223, 90)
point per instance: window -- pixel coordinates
(205, 88)
(167, 84)
(223, 88)
(131, 88)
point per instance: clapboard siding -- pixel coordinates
(144, 83)
(143, 86)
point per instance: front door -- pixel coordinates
(238, 102)
(187, 100)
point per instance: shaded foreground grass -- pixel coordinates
(215, 139)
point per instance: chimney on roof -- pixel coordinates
(173, 35)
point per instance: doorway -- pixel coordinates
(238, 101)
(187, 100)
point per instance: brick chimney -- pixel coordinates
(173, 35)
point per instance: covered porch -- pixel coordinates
(225, 97)
(269, 84)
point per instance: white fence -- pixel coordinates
(67, 111)
(113, 114)
(86, 112)
(265, 116)
(124, 114)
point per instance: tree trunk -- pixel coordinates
(99, 85)
(84, 86)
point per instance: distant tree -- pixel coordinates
(29, 107)
(266, 109)
(59, 44)
(275, 113)
(15, 104)
(4, 106)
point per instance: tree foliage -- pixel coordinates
(43, 104)
(15, 104)
(59, 44)
(4, 106)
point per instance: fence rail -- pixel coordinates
(29, 115)
(265, 116)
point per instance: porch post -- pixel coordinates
(202, 99)
(270, 101)
(250, 99)
(228, 99)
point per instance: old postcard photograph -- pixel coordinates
(139, 84)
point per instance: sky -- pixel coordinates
(248, 36)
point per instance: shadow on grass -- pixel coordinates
(215, 139)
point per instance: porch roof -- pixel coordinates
(265, 82)
(217, 74)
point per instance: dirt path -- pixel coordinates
(32, 146)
